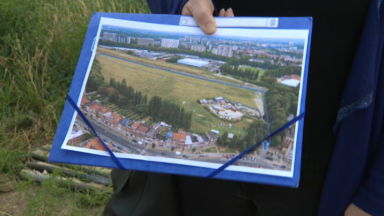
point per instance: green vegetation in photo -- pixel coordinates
(177, 89)
(210, 150)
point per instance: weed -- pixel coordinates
(40, 43)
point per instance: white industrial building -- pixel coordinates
(193, 62)
(169, 43)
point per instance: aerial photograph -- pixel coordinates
(181, 94)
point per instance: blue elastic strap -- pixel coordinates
(117, 162)
(218, 170)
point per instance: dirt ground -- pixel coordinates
(13, 203)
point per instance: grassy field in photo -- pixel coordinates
(168, 66)
(181, 90)
(40, 44)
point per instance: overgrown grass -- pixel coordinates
(40, 43)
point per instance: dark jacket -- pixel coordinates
(357, 167)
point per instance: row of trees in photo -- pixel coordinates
(254, 134)
(239, 73)
(95, 79)
(160, 110)
(173, 114)
(266, 65)
(281, 101)
(281, 71)
(128, 93)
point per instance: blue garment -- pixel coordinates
(356, 173)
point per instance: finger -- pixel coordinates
(229, 13)
(205, 20)
(221, 12)
(202, 13)
(185, 11)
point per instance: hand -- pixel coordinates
(202, 10)
(353, 210)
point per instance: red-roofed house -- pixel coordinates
(132, 128)
(84, 101)
(105, 113)
(141, 131)
(75, 137)
(96, 144)
(114, 119)
(135, 125)
(179, 139)
(95, 108)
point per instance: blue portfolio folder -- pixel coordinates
(60, 155)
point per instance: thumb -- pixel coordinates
(202, 10)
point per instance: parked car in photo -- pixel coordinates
(232, 156)
(185, 156)
(269, 158)
(228, 156)
(119, 147)
(245, 158)
(282, 166)
(163, 153)
(140, 143)
(253, 158)
(275, 165)
(177, 153)
(105, 140)
(114, 145)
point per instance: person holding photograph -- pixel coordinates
(341, 174)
